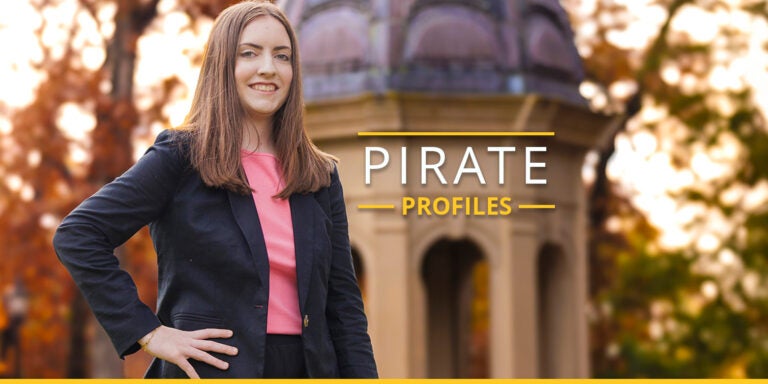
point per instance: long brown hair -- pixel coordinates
(216, 120)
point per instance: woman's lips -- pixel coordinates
(263, 87)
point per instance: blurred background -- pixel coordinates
(676, 217)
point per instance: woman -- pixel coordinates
(248, 221)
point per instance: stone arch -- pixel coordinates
(335, 41)
(360, 272)
(550, 46)
(554, 311)
(479, 235)
(455, 275)
(452, 33)
(450, 230)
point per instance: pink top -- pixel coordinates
(265, 178)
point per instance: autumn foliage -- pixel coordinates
(653, 311)
(44, 181)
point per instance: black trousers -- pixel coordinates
(284, 357)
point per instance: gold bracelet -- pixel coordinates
(149, 338)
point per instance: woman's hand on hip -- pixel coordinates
(176, 346)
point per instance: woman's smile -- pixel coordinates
(264, 87)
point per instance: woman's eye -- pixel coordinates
(283, 57)
(247, 54)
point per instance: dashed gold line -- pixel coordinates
(375, 206)
(536, 206)
(452, 134)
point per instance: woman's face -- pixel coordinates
(263, 71)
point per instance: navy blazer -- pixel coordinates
(213, 270)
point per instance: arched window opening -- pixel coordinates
(455, 274)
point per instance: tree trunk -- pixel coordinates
(112, 154)
(77, 366)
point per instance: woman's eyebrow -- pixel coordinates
(278, 48)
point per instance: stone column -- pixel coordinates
(522, 252)
(390, 291)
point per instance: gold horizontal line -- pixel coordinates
(375, 206)
(451, 134)
(536, 206)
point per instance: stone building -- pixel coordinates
(458, 296)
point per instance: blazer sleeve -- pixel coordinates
(86, 239)
(344, 309)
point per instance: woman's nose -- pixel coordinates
(266, 66)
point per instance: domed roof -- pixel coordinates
(466, 46)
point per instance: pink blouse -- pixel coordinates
(265, 178)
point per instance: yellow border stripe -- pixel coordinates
(536, 206)
(451, 134)
(391, 381)
(375, 206)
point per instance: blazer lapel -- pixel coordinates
(303, 217)
(247, 218)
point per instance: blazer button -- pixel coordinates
(306, 321)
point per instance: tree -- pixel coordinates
(700, 309)
(48, 170)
